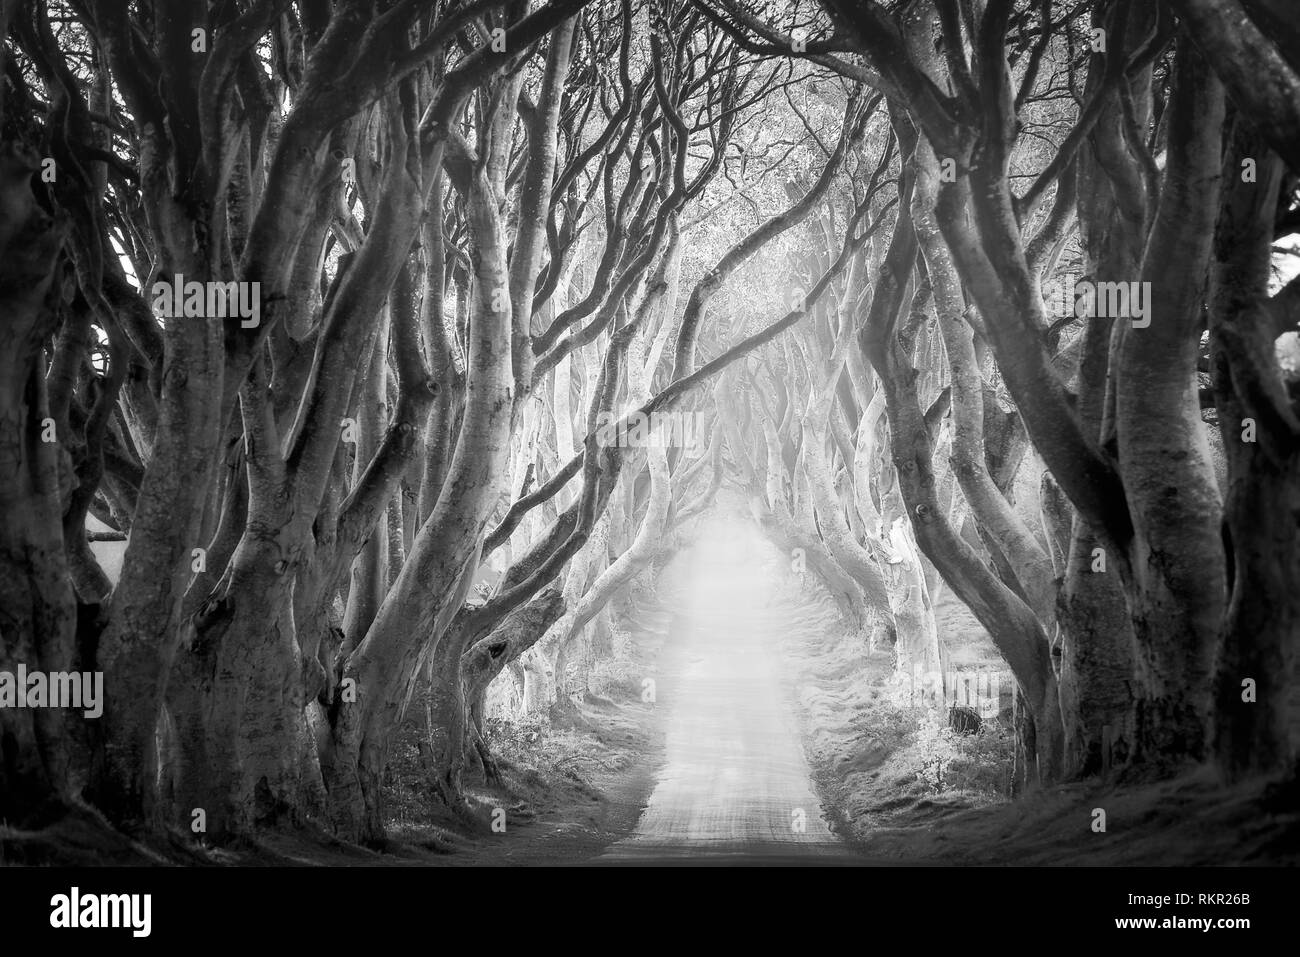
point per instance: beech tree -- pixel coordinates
(1122, 436)
(365, 328)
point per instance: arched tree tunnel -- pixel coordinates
(723, 428)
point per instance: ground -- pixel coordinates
(740, 723)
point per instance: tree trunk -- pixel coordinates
(1256, 698)
(424, 598)
(1177, 555)
(35, 589)
(369, 576)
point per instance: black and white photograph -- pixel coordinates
(628, 434)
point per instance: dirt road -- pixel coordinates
(734, 782)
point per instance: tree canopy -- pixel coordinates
(392, 339)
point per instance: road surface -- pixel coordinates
(734, 785)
